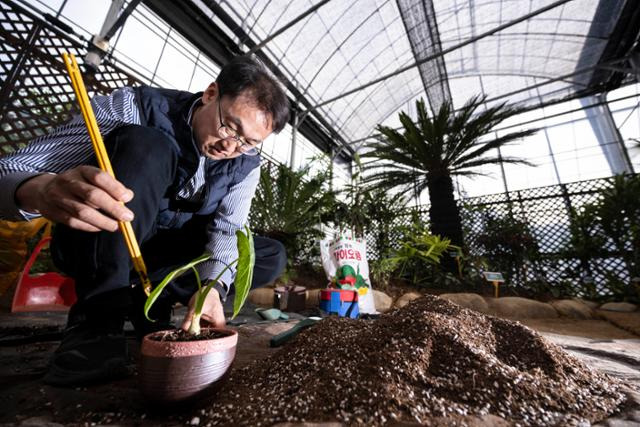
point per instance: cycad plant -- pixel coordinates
(426, 154)
(290, 205)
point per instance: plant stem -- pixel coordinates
(194, 328)
(201, 296)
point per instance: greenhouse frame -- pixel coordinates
(483, 148)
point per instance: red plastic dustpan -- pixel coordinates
(43, 292)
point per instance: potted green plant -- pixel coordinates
(179, 365)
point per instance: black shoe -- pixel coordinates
(88, 355)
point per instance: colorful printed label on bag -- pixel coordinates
(345, 263)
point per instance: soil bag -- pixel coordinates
(345, 263)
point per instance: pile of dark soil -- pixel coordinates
(427, 360)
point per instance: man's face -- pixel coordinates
(240, 114)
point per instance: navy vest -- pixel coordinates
(167, 111)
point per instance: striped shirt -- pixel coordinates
(69, 146)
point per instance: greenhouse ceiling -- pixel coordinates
(350, 65)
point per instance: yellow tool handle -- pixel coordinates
(104, 163)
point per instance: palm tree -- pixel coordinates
(429, 152)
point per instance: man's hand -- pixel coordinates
(212, 311)
(84, 198)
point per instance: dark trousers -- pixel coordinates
(145, 161)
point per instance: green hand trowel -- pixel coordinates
(285, 336)
(271, 314)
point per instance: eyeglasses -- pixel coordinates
(243, 146)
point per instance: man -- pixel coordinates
(186, 168)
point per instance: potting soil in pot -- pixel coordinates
(427, 360)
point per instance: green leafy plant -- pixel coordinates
(543, 289)
(382, 270)
(619, 216)
(419, 256)
(352, 212)
(617, 290)
(242, 284)
(368, 209)
(427, 153)
(509, 246)
(606, 228)
(384, 208)
(586, 243)
(425, 246)
(289, 206)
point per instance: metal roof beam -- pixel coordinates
(287, 26)
(448, 50)
(559, 78)
(620, 42)
(99, 44)
(554, 102)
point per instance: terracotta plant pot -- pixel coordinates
(180, 371)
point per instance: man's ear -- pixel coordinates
(210, 93)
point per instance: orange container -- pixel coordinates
(43, 292)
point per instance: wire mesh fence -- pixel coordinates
(36, 94)
(546, 212)
(544, 216)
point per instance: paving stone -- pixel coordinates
(622, 307)
(523, 308)
(406, 299)
(573, 309)
(591, 304)
(629, 321)
(468, 300)
(383, 301)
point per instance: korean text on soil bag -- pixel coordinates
(345, 263)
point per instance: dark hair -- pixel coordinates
(244, 73)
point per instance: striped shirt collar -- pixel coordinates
(193, 107)
(195, 104)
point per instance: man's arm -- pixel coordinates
(84, 198)
(48, 177)
(230, 216)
